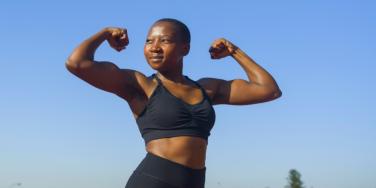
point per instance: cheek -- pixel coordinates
(170, 51)
(145, 50)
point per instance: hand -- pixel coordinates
(221, 48)
(117, 38)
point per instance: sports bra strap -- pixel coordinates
(196, 83)
(202, 89)
(155, 76)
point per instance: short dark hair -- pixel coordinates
(182, 28)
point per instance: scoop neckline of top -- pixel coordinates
(179, 99)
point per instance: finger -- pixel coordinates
(124, 42)
(121, 40)
(220, 45)
(213, 56)
(212, 49)
(113, 42)
(118, 33)
(217, 48)
(119, 48)
(217, 44)
(124, 38)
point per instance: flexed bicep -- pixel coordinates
(241, 92)
(103, 74)
(237, 91)
(107, 76)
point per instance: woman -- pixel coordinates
(174, 113)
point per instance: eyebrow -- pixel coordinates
(171, 37)
(162, 36)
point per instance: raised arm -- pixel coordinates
(260, 86)
(101, 74)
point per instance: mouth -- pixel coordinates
(156, 57)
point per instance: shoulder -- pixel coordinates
(141, 83)
(208, 83)
(211, 85)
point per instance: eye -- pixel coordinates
(166, 40)
(148, 41)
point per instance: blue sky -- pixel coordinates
(57, 131)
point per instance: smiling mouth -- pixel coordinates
(156, 57)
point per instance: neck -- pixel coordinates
(176, 75)
(173, 76)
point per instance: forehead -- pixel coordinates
(163, 29)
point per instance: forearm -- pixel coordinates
(86, 50)
(256, 74)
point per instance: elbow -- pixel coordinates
(71, 66)
(273, 94)
(277, 94)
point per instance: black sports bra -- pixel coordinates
(165, 115)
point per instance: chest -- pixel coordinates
(165, 109)
(188, 95)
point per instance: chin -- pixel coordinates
(156, 66)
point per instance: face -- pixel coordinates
(163, 48)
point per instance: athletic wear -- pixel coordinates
(168, 116)
(157, 172)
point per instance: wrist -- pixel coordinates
(105, 32)
(233, 49)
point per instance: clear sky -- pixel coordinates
(57, 131)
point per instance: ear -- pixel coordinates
(186, 48)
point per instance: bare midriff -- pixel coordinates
(186, 150)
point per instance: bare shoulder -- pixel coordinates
(141, 85)
(211, 85)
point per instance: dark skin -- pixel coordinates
(164, 51)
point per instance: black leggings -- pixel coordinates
(158, 172)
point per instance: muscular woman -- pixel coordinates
(173, 112)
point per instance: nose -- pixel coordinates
(155, 47)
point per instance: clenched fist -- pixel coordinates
(117, 38)
(221, 48)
